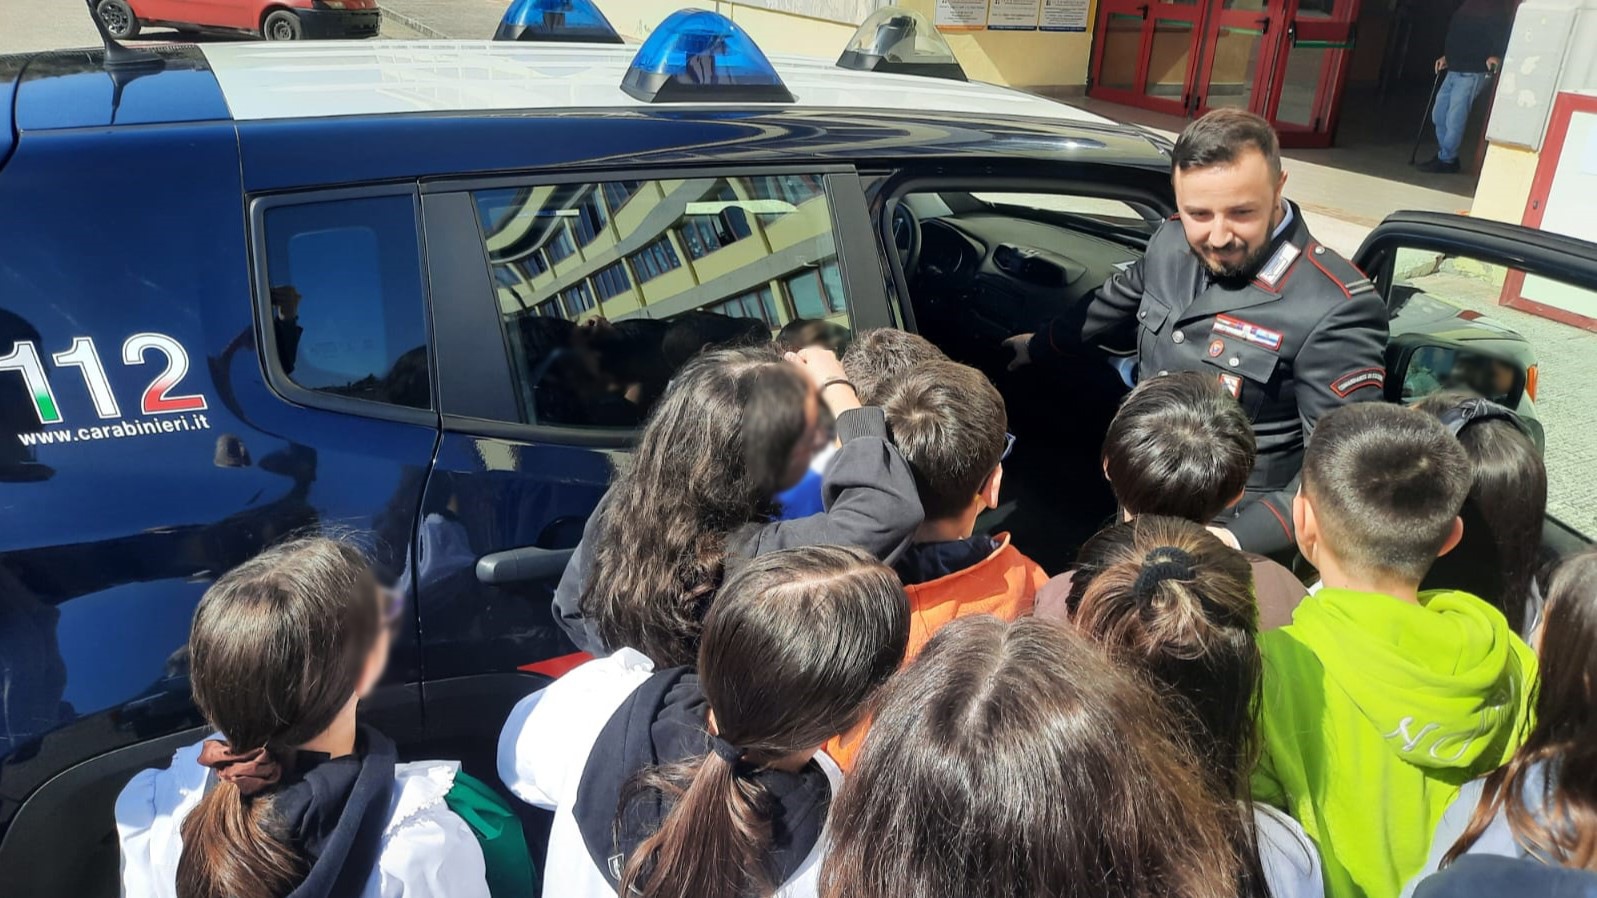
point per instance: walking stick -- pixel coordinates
(1436, 85)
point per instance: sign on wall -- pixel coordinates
(961, 15)
(1064, 15)
(1013, 15)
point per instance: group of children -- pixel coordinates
(875, 700)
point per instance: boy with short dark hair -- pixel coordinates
(1379, 700)
(877, 359)
(1181, 446)
(949, 423)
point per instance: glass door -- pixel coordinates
(1311, 71)
(1145, 53)
(1241, 41)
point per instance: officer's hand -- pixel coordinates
(1441, 63)
(1020, 344)
(1226, 537)
(1493, 64)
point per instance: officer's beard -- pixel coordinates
(1239, 272)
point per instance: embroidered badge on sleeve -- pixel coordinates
(1356, 380)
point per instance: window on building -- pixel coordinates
(610, 374)
(348, 300)
(560, 247)
(616, 193)
(612, 281)
(656, 259)
(587, 216)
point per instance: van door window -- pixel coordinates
(606, 289)
(348, 312)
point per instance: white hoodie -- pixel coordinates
(426, 849)
(545, 746)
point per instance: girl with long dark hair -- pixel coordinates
(736, 428)
(293, 797)
(1166, 596)
(1540, 807)
(1017, 761)
(1500, 554)
(709, 782)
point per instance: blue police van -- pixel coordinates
(424, 294)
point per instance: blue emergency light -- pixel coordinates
(567, 21)
(902, 41)
(697, 56)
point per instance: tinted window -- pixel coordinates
(658, 270)
(348, 309)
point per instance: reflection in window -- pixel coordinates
(560, 246)
(609, 370)
(348, 307)
(655, 259)
(612, 281)
(759, 304)
(616, 193)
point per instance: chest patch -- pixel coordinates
(1276, 268)
(1216, 347)
(1232, 384)
(1248, 331)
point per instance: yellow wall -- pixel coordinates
(1505, 183)
(1015, 58)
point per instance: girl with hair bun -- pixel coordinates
(1166, 596)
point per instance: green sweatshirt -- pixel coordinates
(1375, 712)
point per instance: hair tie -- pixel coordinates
(1171, 564)
(250, 771)
(725, 750)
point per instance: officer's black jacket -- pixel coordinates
(1306, 335)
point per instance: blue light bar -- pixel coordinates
(567, 21)
(697, 56)
(903, 41)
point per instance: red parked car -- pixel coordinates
(275, 20)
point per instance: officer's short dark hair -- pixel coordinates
(877, 358)
(1221, 136)
(948, 421)
(1385, 483)
(1179, 446)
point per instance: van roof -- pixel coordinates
(262, 81)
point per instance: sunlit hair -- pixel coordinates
(711, 459)
(1563, 739)
(1166, 596)
(1016, 760)
(794, 646)
(276, 652)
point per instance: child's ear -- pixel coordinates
(1237, 498)
(1453, 537)
(989, 489)
(1303, 523)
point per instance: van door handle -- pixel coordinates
(522, 565)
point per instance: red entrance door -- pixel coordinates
(1286, 60)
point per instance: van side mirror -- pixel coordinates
(1419, 367)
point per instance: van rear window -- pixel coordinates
(347, 299)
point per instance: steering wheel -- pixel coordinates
(906, 238)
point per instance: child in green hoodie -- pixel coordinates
(1379, 700)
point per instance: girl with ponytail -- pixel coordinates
(1167, 597)
(709, 782)
(291, 796)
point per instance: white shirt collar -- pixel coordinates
(1286, 220)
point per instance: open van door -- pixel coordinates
(1507, 312)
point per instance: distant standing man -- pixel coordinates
(1236, 287)
(1476, 39)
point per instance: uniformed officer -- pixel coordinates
(1236, 286)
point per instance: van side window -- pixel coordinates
(606, 289)
(348, 300)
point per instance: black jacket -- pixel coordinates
(662, 723)
(1305, 336)
(335, 812)
(1478, 31)
(870, 498)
